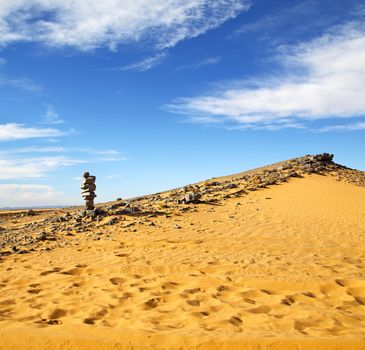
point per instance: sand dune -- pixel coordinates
(278, 268)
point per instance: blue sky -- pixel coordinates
(151, 95)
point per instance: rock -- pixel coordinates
(42, 236)
(213, 183)
(324, 157)
(98, 211)
(116, 205)
(89, 180)
(229, 186)
(90, 213)
(192, 197)
(111, 221)
(30, 212)
(58, 219)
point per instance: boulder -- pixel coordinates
(192, 197)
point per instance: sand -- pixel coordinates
(279, 268)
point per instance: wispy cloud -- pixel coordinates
(88, 25)
(38, 162)
(33, 167)
(21, 83)
(32, 149)
(112, 176)
(13, 131)
(344, 127)
(143, 65)
(210, 61)
(320, 79)
(281, 18)
(2, 61)
(51, 117)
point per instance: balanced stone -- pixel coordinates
(88, 188)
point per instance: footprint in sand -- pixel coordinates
(193, 302)
(236, 321)
(57, 313)
(76, 271)
(117, 280)
(54, 270)
(169, 285)
(53, 318)
(152, 303)
(99, 315)
(263, 309)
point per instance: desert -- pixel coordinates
(272, 258)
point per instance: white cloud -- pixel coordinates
(320, 79)
(51, 116)
(13, 131)
(210, 61)
(23, 195)
(144, 65)
(2, 61)
(88, 24)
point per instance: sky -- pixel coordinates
(149, 95)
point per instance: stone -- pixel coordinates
(88, 187)
(111, 221)
(90, 213)
(231, 185)
(89, 180)
(324, 157)
(42, 236)
(88, 190)
(192, 197)
(90, 197)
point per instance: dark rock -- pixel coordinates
(192, 197)
(229, 186)
(324, 157)
(213, 183)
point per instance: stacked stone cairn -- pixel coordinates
(88, 188)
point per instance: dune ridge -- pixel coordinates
(272, 258)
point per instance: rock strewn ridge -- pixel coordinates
(21, 233)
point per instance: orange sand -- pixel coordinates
(280, 268)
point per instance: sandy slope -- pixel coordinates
(279, 268)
